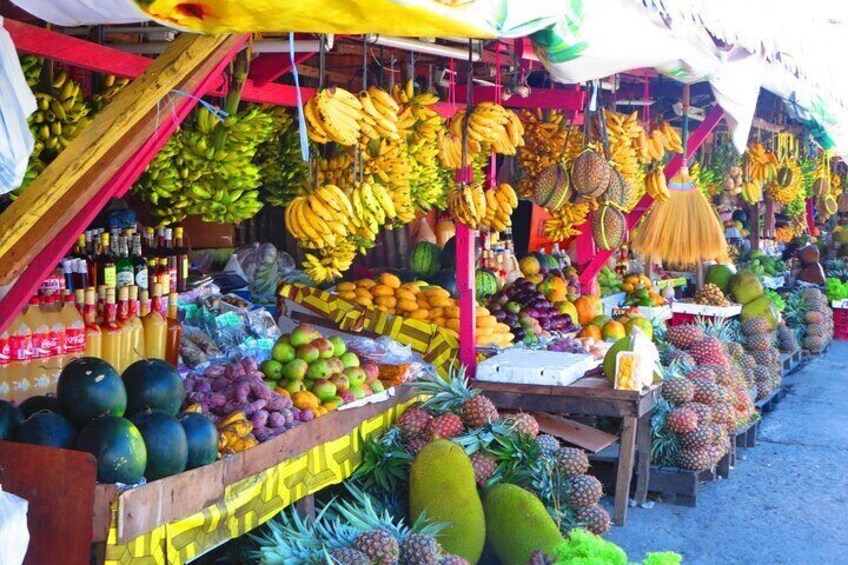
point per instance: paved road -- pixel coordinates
(786, 503)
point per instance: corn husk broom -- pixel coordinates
(685, 229)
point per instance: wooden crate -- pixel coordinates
(770, 402)
(682, 486)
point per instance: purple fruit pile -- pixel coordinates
(528, 313)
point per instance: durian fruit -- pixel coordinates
(441, 483)
(518, 524)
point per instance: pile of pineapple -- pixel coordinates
(809, 316)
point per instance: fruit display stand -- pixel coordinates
(686, 312)
(592, 396)
(612, 302)
(176, 519)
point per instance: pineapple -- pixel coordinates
(696, 459)
(484, 467)
(379, 546)
(814, 317)
(479, 411)
(548, 444)
(583, 491)
(524, 423)
(681, 420)
(747, 361)
(446, 426)
(763, 389)
(684, 336)
(415, 445)
(704, 412)
(735, 349)
(709, 351)
(571, 461)
(349, 556)
(594, 519)
(413, 423)
(454, 395)
(707, 392)
(419, 549)
(755, 326)
(682, 357)
(760, 342)
(678, 390)
(703, 373)
(724, 414)
(700, 437)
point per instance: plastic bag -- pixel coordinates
(14, 535)
(16, 141)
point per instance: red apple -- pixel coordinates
(341, 381)
(347, 396)
(372, 372)
(325, 347)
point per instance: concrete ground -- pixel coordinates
(785, 503)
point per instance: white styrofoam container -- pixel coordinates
(707, 310)
(535, 367)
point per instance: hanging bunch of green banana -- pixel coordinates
(31, 66)
(163, 182)
(281, 166)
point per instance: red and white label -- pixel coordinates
(74, 340)
(19, 347)
(40, 350)
(4, 350)
(55, 342)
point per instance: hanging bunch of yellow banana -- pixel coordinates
(31, 66)
(490, 127)
(663, 137)
(337, 169)
(787, 184)
(281, 166)
(334, 114)
(655, 184)
(450, 151)
(328, 266)
(321, 219)
(752, 191)
(564, 221)
(762, 164)
(624, 132)
(61, 115)
(467, 204)
(545, 133)
(500, 203)
(379, 116)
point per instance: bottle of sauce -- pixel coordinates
(175, 331)
(139, 264)
(126, 328)
(111, 332)
(106, 269)
(93, 335)
(143, 305)
(124, 265)
(182, 260)
(155, 327)
(74, 328)
(137, 328)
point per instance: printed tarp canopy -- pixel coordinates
(737, 47)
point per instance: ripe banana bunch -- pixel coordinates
(544, 135)
(491, 125)
(337, 170)
(655, 185)
(112, 85)
(372, 208)
(500, 203)
(379, 116)
(624, 133)
(762, 164)
(388, 163)
(752, 191)
(467, 204)
(450, 151)
(786, 194)
(329, 264)
(61, 115)
(563, 223)
(281, 166)
(321, 219)
(334, 114)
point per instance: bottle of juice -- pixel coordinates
(155, 327)
(137, 327)
(74, 328)
(126, 328)
(39, 374)
(111, 331)
(79, 300)
(93, 336)
(20, 343)
(143, 304)
(55, 342)
(175, 331)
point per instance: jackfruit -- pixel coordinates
(441, 483)
(518, 524)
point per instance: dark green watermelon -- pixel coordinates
(426, 259)
(446, 279)
(153, 383)
(35, 404)
(89, 388)
(118, 447)
(485, 282)
(202, 438)
(10, 419)
(165, 439)
(449, 254)
(48, 429)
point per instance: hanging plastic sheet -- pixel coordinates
(16, 142)
(84, 12)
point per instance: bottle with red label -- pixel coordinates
(17, 370)
(40, 375)
(74, 328)
(5, 382)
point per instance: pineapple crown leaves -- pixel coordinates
(664, 442)
(365, 513)
(445, 395)
(724, 329)
(677, 368)
(385, 463)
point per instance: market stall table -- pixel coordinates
(594, 396)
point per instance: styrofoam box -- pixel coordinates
(535, 367)
(706, 310)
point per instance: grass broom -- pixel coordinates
(686, 228)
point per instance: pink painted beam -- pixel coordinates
(570, 100)
(467, 297)
(268, 67)
(699, 136)
(45, 262)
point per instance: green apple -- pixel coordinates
(283, 352)
(339, 346)
(272, 369)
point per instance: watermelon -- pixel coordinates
(165, 440)
(35, 404)
(202, 439)
(88, 388)
(486, 283)
(118, 447)
(10, 419)
(446, 279)
(48, 429)
(426, 259)
(153, 383)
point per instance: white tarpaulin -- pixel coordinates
(84, 12)
(16, 142)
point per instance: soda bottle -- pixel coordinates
(93, 336)
(74, 328)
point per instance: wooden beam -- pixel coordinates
(698, 137)
(78, 174)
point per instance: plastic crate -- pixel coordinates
(840, 323)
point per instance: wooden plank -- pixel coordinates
(624, 472)
(581, 435)
(58, 484)
(560, 404)
(115, 134)
(643, 458)
(144, 508)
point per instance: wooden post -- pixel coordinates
(466, 290)
(754, 225)
(768, 229)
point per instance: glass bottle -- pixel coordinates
(155, 327)
(93, 335)
(111, 331)
(175, 330)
